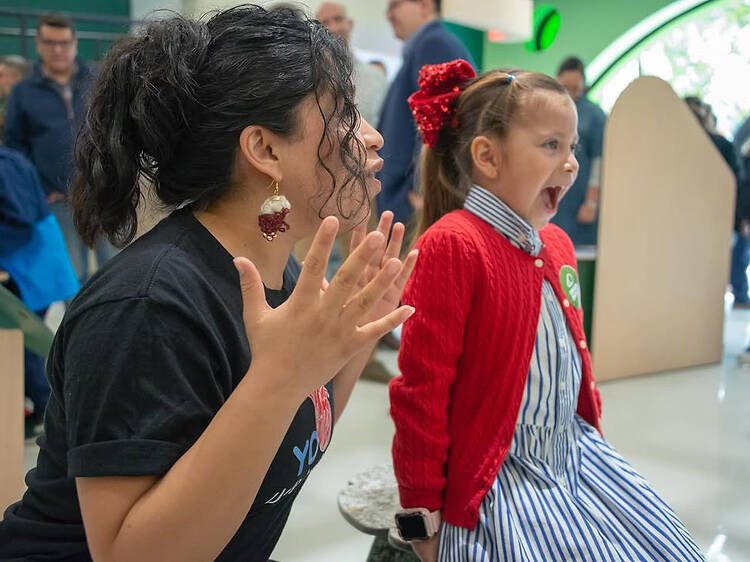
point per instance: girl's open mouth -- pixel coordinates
(551, 197)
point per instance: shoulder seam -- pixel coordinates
(158, 261)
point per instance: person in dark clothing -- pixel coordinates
(741, 246)
(578, 211)
(35, 386)
(43, 114)
(426, 41)
(32, 252)
(743, 205)
(741, 240)
(22, 205)
(741, 135)
(194, 390)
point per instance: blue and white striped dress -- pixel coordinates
(562, 492)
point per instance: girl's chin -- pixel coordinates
(541, 220)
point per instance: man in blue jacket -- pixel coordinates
(42, 117)
(417, 23)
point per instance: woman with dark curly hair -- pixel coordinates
(163, 441)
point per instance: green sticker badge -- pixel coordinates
(570, 285)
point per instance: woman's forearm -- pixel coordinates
(344, 381)
(194, 510)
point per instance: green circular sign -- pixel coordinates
(546, 26)
(571, 286)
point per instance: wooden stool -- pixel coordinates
(368, 503)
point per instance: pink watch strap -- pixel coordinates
(433, 522)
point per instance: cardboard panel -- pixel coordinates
(667, 210)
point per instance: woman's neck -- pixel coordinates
(234, 223)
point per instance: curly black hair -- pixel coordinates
(171, 101)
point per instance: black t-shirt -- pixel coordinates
(149, 351)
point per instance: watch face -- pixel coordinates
(411, 526)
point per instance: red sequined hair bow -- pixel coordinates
(434, 104)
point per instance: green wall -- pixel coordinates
(587, 28)
(87, 48)
(116, 7)
(472, 38)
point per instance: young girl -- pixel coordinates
(165, 438)
(497, 413)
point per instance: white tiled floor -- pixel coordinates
(687, 431)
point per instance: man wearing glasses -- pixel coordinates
(426, 41)
(42, 117)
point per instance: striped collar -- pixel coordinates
(502, 218)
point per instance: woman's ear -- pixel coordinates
(259, 147)
(487, 156)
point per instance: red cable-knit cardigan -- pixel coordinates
(465, 357)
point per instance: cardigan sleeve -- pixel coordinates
(441, 290)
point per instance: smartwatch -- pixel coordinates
(417, 524)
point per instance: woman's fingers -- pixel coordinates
(403, 277)
(396, 289)
(361, 303)
(316, 261)
(358, 235)
(385, 222)
(347, 277)
(375, 330)
(397, 240)
(384, 227)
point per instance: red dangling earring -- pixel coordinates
(272, 214)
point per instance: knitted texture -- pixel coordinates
(465, 357)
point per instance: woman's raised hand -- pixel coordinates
(304, 342)
(391, 298)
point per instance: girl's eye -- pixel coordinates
(574, 147)
(553, 144)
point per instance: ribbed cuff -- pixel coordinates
(429, 499)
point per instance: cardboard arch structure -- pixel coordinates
(665, 228)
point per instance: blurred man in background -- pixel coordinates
(426, 41)
(369, 83)
(578, 212)
(43, 114)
